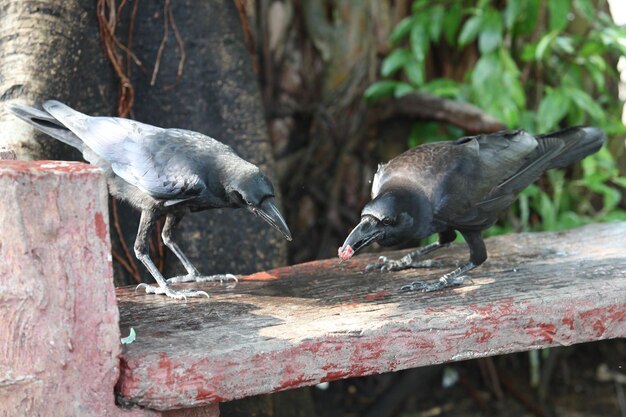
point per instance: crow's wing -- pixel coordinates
(487, 174)
(161, 162)
(553, 150)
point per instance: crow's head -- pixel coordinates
(253, 190)
(393, 217)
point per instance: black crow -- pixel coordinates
(162, 172)
(460, 186)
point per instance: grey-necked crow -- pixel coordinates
(162, 172)
(460, 186)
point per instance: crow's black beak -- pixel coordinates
(365, 233)
(267, 211)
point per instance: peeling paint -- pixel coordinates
(541, 331)
(259, 276)
(569, 322)
(101, 226)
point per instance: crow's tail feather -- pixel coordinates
(554, 150)
(45, 122)
(577, 143)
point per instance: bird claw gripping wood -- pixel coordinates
(441, 283)
(405, 262)
(222, 278)
(171, 292)
(451, 279)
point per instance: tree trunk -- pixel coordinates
(218, 95)
(50, 49)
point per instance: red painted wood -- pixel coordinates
(327, 320)
(59, 334)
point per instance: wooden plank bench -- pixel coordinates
(280, 329)
(327, 320)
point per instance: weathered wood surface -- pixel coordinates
(327, 320)
(59, 340)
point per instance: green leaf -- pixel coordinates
(403, 89)
(490, 36)
(616, 215)
(380, 89)
(543, 45)
(451, 21)
(547, 212)
(130, 338)
(564, 44)
(572, 76)
(552, 109)
(505, 110)
(401, 30)
(524, 210)
(418, 5)
(621, 181)
(470, 30)
(611, 197)
(586, 103)
(511, 79)
(529, 52)
(569, 220)
(596, 69)
(591, 47)
(426, 132)
(435, 22)
(394, 61)
(419, 40)
(442, 87)
(415, 72)
(586, 8)
(527, 121)
(575, 116)
(480, 4)
(614, 127)
(487, 69)
(559, 9)
(528, 20)
(496, 87)
(512, 12)
(613, 38)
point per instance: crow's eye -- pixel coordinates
(238, 198)
(387, 221)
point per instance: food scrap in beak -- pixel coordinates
(345, 254)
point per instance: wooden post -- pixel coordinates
(60, 339)
(59, 326)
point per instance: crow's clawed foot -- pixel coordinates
(171, 292)
(405, 262)
(222, 278)
(387, 264)
(445, 281)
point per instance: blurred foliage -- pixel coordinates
(539, 66)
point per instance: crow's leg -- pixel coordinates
(478, 255)
(146, 226)
(411, 260)
(171, 221)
